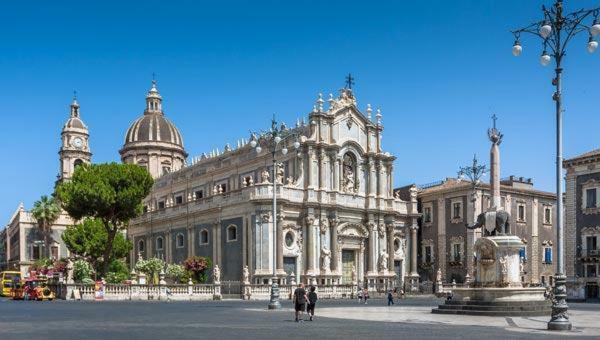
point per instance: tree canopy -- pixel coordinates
(111, 193)
(46, 211)
(88, 240)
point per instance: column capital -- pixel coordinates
(309, 220)
(414, 227)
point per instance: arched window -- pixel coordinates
(179, 241)
(231, 233)
(141, 246)
(289, 239)
(159, 243)
(77, 163)
(204, 237)
(396, 244)
(349, 182)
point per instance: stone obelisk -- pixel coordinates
(496, 138)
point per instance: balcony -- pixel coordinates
(590, 255)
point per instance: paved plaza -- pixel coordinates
(235, 319)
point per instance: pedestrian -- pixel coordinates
(360, 295)
(366, 295)
(402, 293)
(312, 300)
(390, 297)
(299, 302)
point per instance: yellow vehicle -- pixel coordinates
(7, 280)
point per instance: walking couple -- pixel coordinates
(304, 300)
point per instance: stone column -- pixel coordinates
(279, 238)
(372, 270)
(310, 246)
(372, 178)
(495, 171)
(322, 170)
(333, 222)
(336, 175)
(191, 242)
(534, 276)
(382, 177)
(390, 245)
(168, 246)
(413, 253)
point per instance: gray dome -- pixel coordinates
(153, 128)
(75, 122)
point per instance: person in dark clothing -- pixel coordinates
(299, 301)
(390, 297)
(312, 300)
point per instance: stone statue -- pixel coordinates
(349, 185)
(251, 180)
(280, 174)
(264, 176)
(501, 227)
(381, 230)
(216, 274)
(383, 261)
(353, 274)
(290, 180)
(246, 275)
(325, 259)
(438, 277)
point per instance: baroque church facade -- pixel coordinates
(337, 220)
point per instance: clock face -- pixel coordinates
(77, 142)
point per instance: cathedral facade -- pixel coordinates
(337, 220)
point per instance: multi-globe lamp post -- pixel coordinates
(473, 173)
(276, 139)
(556, 30)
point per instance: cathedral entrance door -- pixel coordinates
(289, 265)
(398, 271)
(348, 263)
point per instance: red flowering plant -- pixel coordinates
(197, 267)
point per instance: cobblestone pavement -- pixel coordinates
(235, 319)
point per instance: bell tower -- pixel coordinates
(75, 148)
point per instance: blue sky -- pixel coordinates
(437, 70)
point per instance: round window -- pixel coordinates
(289, 239)
(396, 244)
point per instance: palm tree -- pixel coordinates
(46, 211)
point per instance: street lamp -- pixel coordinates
(556, 30)
(275, 139)
(473, 173)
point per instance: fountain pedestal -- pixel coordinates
(497, 289)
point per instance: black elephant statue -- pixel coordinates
(502, 226)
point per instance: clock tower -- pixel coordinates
(75, 148)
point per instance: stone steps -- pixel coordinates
(487, 308)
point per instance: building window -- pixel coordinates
(161, 204)
(145, 209)
(141, 246)
(521, 213)
(179, 240)
(591, 245)
(523, 254)
(591, 270)
(159, 243)
(547, 215)
(231, 233)
(590, 195)
(204, 237)
(427, 215)
(456, 210)
(178, 199)
(36, 251)
(428, 257)
(543, 281)
(166, 170)
(54, 252)
(456, 252)
(396, 245)
(547, 255)
(77, 163)
(198, 194)
(289, 239)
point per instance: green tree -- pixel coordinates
(88, 240)
(111, 192)
(46, 211)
